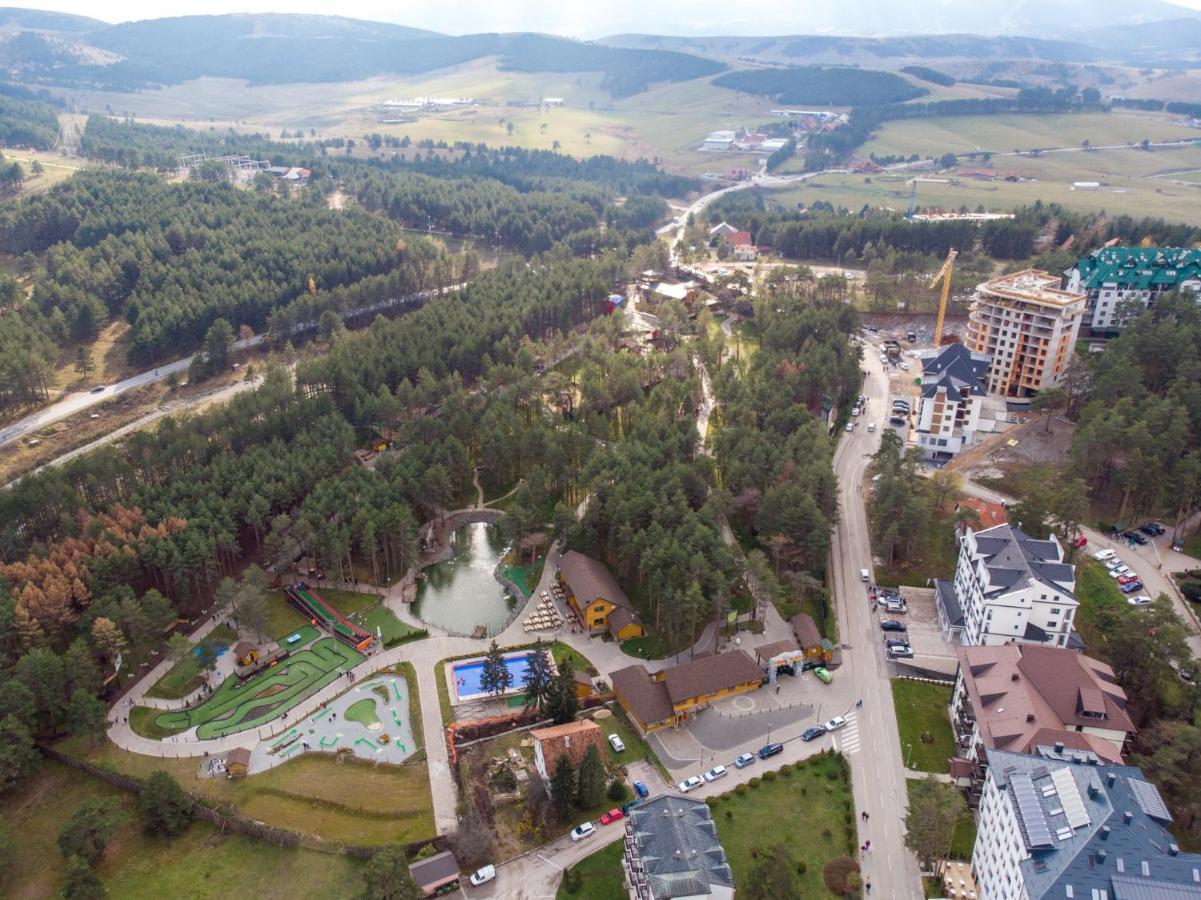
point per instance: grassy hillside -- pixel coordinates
(823, 86)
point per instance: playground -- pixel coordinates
(242, 705)
(371, 720)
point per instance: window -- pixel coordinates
(1054, 611)
(1052, 625)
(597, 622)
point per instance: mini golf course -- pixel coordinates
(371, 720)
(240, 706)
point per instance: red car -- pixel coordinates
(1127, 579)
(1080, 542)
(612, 816)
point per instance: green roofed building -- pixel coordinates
(1112, 277)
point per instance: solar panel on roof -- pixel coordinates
(1030, 812)
(1149, 800)
(1069, 797)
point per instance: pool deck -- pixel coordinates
(327, 730)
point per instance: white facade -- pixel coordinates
(1014, 588)
(999, 848)
(947, 422)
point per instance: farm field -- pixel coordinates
(201, 863)
(1006, 133)
(1136, 183)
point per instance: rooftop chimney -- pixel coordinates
(1013, 677)
(1101, 854)
(1110, 778)
(1174, 849)
(1127, 817)
(1104, 832)
(1059, 746)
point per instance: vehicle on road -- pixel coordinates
(770, 750)
(693, 781)
(822, 674)
(1126, 579)
(1132, 587)
(482, 875)
(1134, 536)
(865, 575)
(1114, 562)
(1140, 600)
(850, 426)
(813, 733)
(616, 743)
(904, 366)
(641, 789)
(1152, 529)
(899, 651)
(744, 760)
(587, 829)
(716, 772)
(98, 389)
(871, 427)
(898, 421)
(1080, 542)
(892, 625)
(895, 605)
(1120, 571)
(835, 723)
(612, 816)
(1103, 555)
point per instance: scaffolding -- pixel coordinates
(241, 166)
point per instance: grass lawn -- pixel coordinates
(142, 721)
(351, 801)
(601, 874)
(650, 646)
(1095, 591)
(392, 630)
(818, 788)
(525, 577)
(282, 619)
(636, 746)
(922, 710)
(201, 863)
(185, 676)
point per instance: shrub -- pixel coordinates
(786, 769)
(617, 791)
(840, 874)
(740, 790)
(801, 867)
(572, 881)
(833, 774)
(729, 813)
(769, 776)
(711, 802)
(727, 795)
(826, 832)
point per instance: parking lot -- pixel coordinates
(930, 651)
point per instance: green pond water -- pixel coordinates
(461, 593)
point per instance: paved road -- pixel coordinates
(877, 770)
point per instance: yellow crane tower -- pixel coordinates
(945, 275)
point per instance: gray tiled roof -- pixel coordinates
(1013, 558)
(944, 595)
(677, 843)
(955, 368)
(1131, 859)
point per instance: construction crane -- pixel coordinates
(912, 197)
(944, 274)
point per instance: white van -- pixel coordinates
(871, 426)
(865, 575)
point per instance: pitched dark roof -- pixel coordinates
(767, 651)
(805, 630)
(621, 617)
(1013, 558)
(1074, 685)
(709, 675)
(676, 841)
(948, 601)
(441, 868)
(646, 698)
(589, 580)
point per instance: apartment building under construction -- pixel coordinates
(1028, 325)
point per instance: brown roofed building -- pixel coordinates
(237, 762)
(593, 595)
(1018, 697)
(673, 693)
(817, 650)
(990, 514)
(571, 740)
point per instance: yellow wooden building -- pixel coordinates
(595, 598)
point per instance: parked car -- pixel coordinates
(898, 421)
(822, 674)
(693, 781)
(835, 723)
(482, 875)
(1126, 579)
(641, 789)
(892, 625)
(903, 651)
(1114, 562)
(1081, 541)
(871, 427)
(587, 829)
(716, 772)
(1153, 529)
(850, 426)
(612, 816)
(98, 389)
(770, 750)
(616, 743)
(1140, 600)
(813, 733)
(894, 605)
(1132, 587)
(1134, 536)
(1103, 555)
(1120, 571)
(744, 760)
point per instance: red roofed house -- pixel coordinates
(991, 514)
(571, 740)
(740, 239)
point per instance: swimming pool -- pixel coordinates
(466, 673)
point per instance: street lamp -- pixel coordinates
(908, 754)
(769, 732)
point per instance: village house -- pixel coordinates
(571, 740)
(595, 598)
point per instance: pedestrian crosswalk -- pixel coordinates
(846, 739)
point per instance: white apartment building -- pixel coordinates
(1028, 327)
(954, 385)
(1120, 279)
(1059, 824)
(1012, 587)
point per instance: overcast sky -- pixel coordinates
(579, 18)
